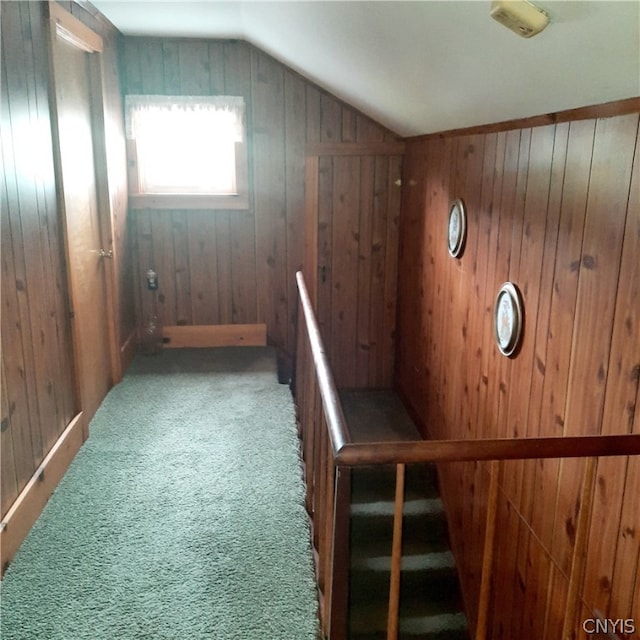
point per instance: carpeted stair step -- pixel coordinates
(379, 548)
(419, 620)
(432, 575)
(423, 520)
(378, 483)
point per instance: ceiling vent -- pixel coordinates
(520, 16)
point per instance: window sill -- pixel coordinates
(188, 201)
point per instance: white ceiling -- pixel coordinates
(423, 66)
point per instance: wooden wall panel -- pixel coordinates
(616, 513)
(555, 209)
(9, 475)
(239, 266)
(237, 73)
(269, 194)
(295, 106)
(354, 203)
(38, 399)
(364, 270)
(344, 264)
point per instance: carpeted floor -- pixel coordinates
(182, 517)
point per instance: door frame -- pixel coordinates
(64, 25)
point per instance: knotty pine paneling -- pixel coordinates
(236, 266)
(37, 385)
(555, 209)
(38, 399)
(357, 244)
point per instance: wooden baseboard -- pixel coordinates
(220, 335)
(29, 504)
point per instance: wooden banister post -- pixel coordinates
(396, 557)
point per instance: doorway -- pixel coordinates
(77, 97)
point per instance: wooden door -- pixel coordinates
(75, 63)
(353, 203)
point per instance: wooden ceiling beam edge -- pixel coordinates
(605, 110)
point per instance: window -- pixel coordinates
(187, 152)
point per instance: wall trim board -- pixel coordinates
(74, 30)
(220, 335)
(605, 110)
(32, 499)
(95, 13)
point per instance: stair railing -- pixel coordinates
(329, 454)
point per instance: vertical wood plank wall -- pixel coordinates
(218, 267)
(37, 384)
(358, 207)
(37, 363)
(556, 210)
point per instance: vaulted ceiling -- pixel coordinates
(423, 66)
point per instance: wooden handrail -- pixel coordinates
(418, 451)
(336, 423)
(348, 453)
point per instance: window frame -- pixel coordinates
(149, 200)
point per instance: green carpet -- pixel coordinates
(182, 517)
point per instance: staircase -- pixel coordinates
(430, 602)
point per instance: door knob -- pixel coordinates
(106, 254)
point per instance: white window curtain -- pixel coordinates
(185, 144)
